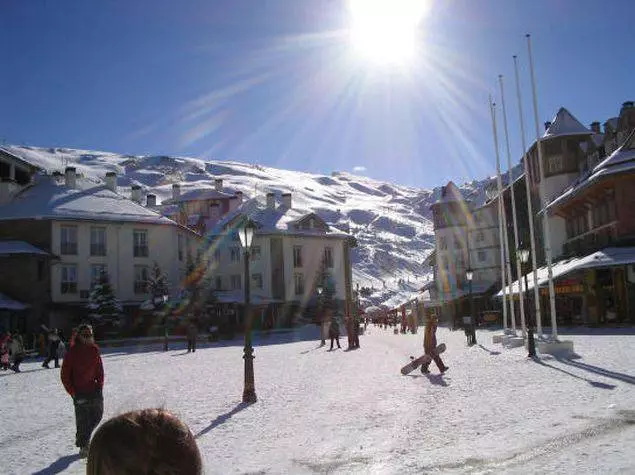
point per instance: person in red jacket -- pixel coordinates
(83, 378)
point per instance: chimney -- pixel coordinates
(70, 177)
(595, 127)
(218, 184)
(286, 200)
(111, 181)
(176, 190)
(136, 194)
(547, 125)
(151, 200)
(627, 105)
(271, 200)
(239, 195)
(214, 211)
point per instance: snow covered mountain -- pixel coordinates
(392, 223)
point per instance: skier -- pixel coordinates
(192, 333)
(16, 350)
(54, 343)
(83, 378)
(430, 346)
(144, 441)
(334, 331)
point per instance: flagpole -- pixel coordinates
(545, 220)
(530, 211)
(513, 202)
(501, 212)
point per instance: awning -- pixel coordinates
(7, 303)
(611, 256)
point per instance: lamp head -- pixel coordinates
(469, 274)
(523, 253)
(320, 289)
(246, 234)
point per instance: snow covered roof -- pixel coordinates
(19, 247)
(610, 256)
(46, 199)
(9, 304)
(620, 161)
(200, 194)
(7, 151)
(450, 193)
(564, 123)
(273, 220)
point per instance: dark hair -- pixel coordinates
(148, 442)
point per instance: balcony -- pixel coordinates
(591, 241)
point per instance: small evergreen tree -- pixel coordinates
(103, 306)
(157, 286)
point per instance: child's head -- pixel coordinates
(148, 441)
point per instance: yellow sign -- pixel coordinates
(565, 289)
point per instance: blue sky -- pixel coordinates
(277, 83)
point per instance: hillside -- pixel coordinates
(392, 223)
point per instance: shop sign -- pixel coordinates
(565, 289)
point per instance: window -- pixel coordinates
(236, 283)
(68, 241)
(555, 164)
(299, 284)
(140, 279)
(297, 256)
(255, 253)
(218, 282)
(256, 280)
(443, 243)
(482, 256)
(328, 257)
(235, 254)
(69, 280)
(480, 236)
(140, 243)
(181, 245)
(97, 241)
(95, 272)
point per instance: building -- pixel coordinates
(74, 229)
(294, 251)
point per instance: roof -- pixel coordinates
(563, 124)
(200, 194)
(610, 256)
(46, 199)
(449, 194)
(279, 220)
(19, 247)
(14, 156)
(620, 161)
(9, 304)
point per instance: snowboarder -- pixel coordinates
(334, 331)
(54, 343)
(430, 345)
(192, 334)
(16, 350)
(144, 441)
(83, 378)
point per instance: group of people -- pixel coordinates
(353, 330)
(12, 351)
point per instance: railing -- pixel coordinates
(592, 240)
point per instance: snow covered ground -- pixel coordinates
(494, 411)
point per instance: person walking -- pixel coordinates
(334, 331)
(83, 378)
(430, 346)
(192, 334)
(16, 351)
(54, 344)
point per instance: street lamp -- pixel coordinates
(320, 289)
(469, 275)
(162, 300)
(523, 254)
(246, 235)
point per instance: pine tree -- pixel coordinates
(157, 285)
(102, 303)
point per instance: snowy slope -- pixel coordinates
(392, 223)
(341, 412)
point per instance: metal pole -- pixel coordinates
(500, 212)
(530, 211)
(545, 220)
(473, 329)
(249, 392)
(531, 342)
(513, 202)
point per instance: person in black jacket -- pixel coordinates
(334, 331)
(54, 343)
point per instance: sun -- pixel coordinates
(385, 31)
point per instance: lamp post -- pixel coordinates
(523, 253)
(161, 300)
(320, 289)
(469, 275)
(246, 235)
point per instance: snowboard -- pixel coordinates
(425, 359)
